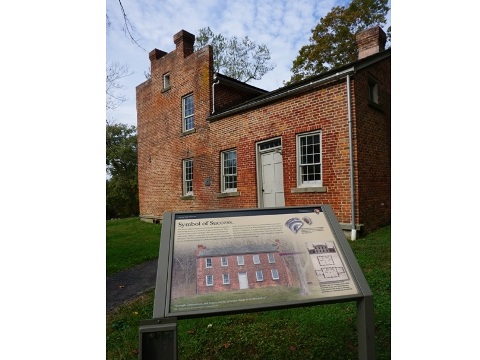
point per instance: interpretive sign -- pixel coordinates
(226, 261)
(235, 260)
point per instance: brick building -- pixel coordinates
(235, 268)
(206, 141)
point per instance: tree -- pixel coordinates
(114, 73)
(121, 161)
(240, 59)
(332, 43)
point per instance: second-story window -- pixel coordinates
(166, 81)
(187, 113)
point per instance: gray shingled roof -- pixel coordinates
(238, 250)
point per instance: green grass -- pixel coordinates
(130, 242)
(317, 332)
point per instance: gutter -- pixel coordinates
(213, 92)
(350, 143)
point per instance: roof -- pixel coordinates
(238, 250)
(303, 85)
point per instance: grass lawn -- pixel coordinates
(316, 332)
(130, 242)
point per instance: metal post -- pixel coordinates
(366, 329)
(158, 339)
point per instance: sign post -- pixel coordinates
(232, 261)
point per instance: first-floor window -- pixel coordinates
(259, 275)
(229, 171)
(188, 177)
(209, 280)
(226, 279)
(275, 274)
(309, 159)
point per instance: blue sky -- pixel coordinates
(284, 26)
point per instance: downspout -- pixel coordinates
(213, 91)
(350, 141)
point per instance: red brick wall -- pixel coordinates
(162, 146)
(373, 147)
(217, 270)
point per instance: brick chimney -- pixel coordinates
(370, 41)
(184, 42)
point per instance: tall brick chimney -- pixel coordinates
(370, 41)
(184, 42)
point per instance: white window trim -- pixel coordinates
(271, 258)
(314, 183)
(238, 260)
(206, 280)
(206, 263)
(228, 279)
(166, 81)
(256, 256)
(278, 275)
(185, 191)
(224, 190)
(226, 261)
(184, 118)
(256, 275)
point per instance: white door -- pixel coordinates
(242, 279)
(272, 179)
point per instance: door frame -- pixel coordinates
(258, 153)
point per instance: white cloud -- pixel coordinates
(283, 25)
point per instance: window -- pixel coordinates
(209, 280)
(229, 171)
(240, 260)
(256, 259)
(259, 275)
(224, 261)
(275, 274)
(166, 81)
(187, 112)
(226, 279)
(372, 91)
(309, 159)
(271, 258)
(188, 177)
(208, 262)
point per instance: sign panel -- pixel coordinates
(224, 261)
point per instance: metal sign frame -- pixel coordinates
(188, 232)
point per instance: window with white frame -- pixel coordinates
(188, 177)
(275, 274)
(259, 275)
(166, 81)
(256, 259)
(229, 171)
(224, 261)
(309, 159)
(271, 258)
(226, 279)
(208, 262)
(240, 260)
(187, 112)
(209, 280)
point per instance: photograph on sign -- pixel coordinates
(259, 258)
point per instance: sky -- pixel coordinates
(283, 25)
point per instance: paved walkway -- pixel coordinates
(127, 285)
